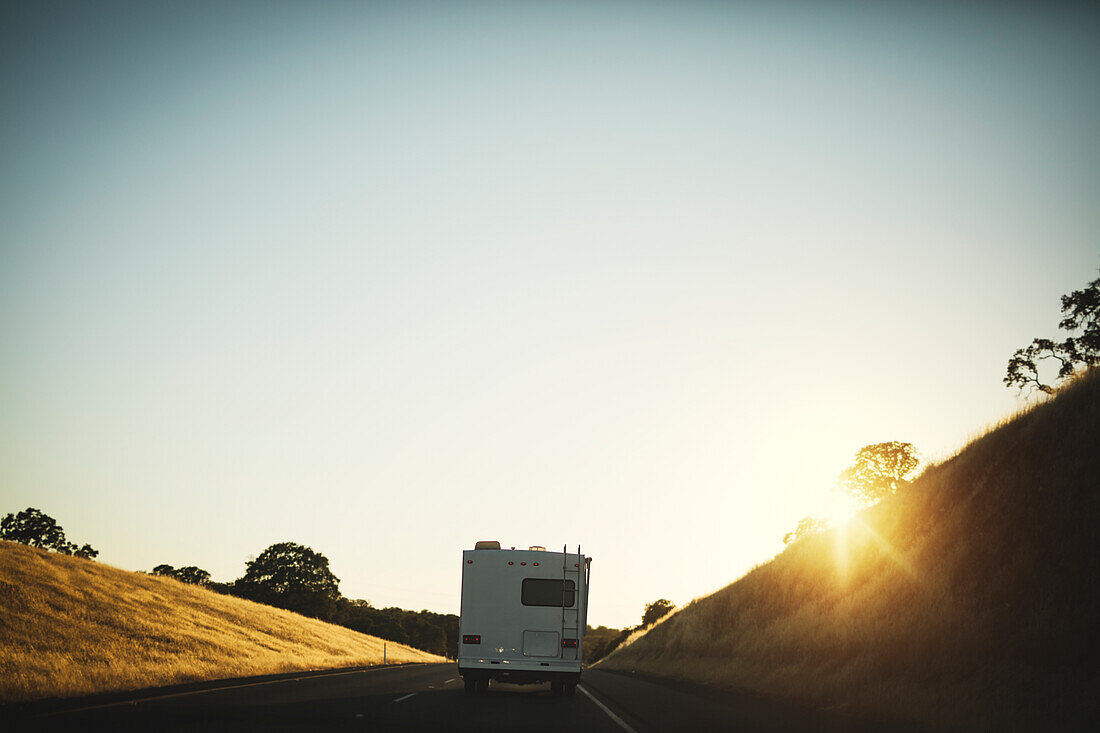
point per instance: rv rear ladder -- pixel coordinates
(570, 616)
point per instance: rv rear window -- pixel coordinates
(548, 592)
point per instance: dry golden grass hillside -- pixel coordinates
(70, 627)
(969, 601)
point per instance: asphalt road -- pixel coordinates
(429, 698)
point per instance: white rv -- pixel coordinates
(523, 616)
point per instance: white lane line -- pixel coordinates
(447, 682)
(406, 697)
(622, 723)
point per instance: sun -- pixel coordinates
(841, 508)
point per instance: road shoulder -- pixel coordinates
(50, 706)
(652, 703)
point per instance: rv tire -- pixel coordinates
(556, 688)
(570, 689)
(470, 684)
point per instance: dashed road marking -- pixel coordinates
(406, 697)
(622, 723)
(447, 682)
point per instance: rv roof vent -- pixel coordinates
(487, 545)
(538, 548)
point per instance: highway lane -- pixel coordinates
(431, 698)
(410, 698)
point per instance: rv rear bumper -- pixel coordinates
(520, 671)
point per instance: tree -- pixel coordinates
(86, 551)
(617, 641)
(1081, 310)
(291, 576)
(657, 610)
(879, 470)
(188, 574)
(193, 575)
(597, 642)
(807, 526)
(32, 527)
(434, 632)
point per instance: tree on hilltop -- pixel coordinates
(657, 610)
(879, 470)
(32, 527)
(188, 574)
(808, 525)
(192, 574)
(1081, 310)
(291, 576)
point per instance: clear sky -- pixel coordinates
(388, 278)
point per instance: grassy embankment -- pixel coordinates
(969, 600)
(71, 627)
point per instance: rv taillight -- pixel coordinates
(534, 563)
(476, 639)
(469, 562)
(569, 643)
(511, 563)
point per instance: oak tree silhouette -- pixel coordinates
(187, 574)
(32, 527)
(192, 574)
(879, 469)
(657, 610)
(1081, 309)
(291, 576)
(807, 526)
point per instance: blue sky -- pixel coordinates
(386, 279)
